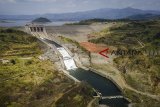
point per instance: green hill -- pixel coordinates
(142, 71)
(41, 20)
(27, 81)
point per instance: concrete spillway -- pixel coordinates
(67, 59)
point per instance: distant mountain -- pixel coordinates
(144, 16)
(105, 13)
(41, 20)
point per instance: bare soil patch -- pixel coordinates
(91, 47)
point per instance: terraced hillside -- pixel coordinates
(27, 81)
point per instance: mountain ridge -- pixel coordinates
(104, 13)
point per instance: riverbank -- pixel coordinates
(130, 93)
(111, 72)
(111, 79)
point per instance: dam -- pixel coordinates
(67, 59)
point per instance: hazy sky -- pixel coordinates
(62, 6)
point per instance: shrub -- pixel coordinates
(13, 61)
(29, 62)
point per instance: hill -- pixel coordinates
(140, 71)
(41, 20)
(144, 17)
(26, 80)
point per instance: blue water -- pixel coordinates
(102, 85)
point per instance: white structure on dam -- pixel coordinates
(68, 60)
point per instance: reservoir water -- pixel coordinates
(99, 83)
(20, 23)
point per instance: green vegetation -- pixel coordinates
(74, 97)
(27, 81)
(19, 76)
(21, 72)
(142, 71)
(20, 80)
(17, 43)
(147, 16)
(140, 100)
(128, 34)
